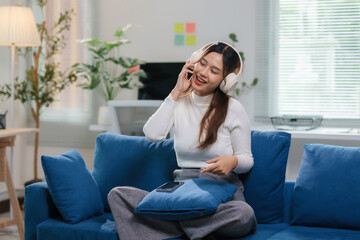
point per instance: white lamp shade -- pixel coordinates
(17, 27)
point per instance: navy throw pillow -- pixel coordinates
(265, 182)
(121, 160)
(195, 198)
(327, 189)
(71, 186)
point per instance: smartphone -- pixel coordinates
(189, 75)
(169, 186)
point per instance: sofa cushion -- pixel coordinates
(327, 190)
(193, 199)
(121, 160)
(99, 227)
(301, 233)
(264, 184)
(71, 186)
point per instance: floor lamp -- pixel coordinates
(17, 29)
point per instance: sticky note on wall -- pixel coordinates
(179, 27)
(190, 27)
(184, 34)
(191, 40)
(179, 40)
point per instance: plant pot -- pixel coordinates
(128, 94)
(104, 116)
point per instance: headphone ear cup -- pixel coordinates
(195, 57)
(229, 83)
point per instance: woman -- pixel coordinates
(211, 139)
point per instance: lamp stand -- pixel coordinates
(12, 108)
(12, 111)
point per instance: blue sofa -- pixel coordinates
(134, 161)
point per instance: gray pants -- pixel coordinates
(233, 219)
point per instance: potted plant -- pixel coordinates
(108, 72)
(244, 86)
(44, 79)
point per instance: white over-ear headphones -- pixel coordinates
(231, 80)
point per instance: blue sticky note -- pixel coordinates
(179, 40)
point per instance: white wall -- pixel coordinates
(153, 33)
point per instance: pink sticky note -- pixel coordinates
(190, 27)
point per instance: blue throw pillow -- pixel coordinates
(327, 189)
(195, 198)
(72, 187)
(121, 160)
(264, 184)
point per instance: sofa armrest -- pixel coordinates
(288, 191)
(39, 206)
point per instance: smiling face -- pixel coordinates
(208, 74)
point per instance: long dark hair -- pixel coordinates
(218, 108)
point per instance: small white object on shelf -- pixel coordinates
(127, 115)
(143, 109)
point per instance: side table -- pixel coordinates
(7, 139)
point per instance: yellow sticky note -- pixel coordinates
(191, 40)
(179, 27)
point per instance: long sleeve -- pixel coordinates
(240, 134)
(160, 123)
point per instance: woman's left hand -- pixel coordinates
(221, 165)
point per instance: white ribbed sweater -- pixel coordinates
(234, 136)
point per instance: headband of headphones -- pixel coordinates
(231, 80)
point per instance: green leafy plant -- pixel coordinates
(108, 72)
(44, 79)
(244, 86)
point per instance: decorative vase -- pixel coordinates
(104, 116)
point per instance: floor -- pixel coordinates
(9, 233)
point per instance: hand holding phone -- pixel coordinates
(183, 82)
